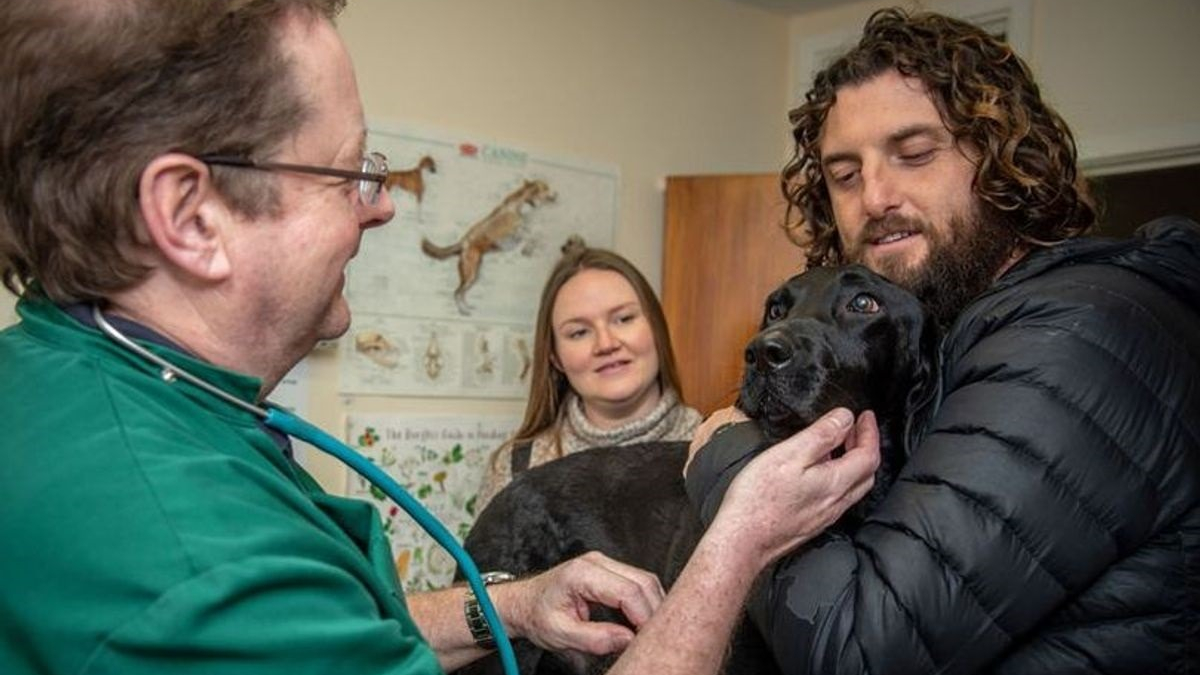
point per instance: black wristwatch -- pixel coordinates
(481, 632)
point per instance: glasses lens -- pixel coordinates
(369, 190)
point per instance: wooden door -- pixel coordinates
(724, 251)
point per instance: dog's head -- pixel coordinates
(537, 192)
(839, 336)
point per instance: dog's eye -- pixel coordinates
(775, 311)
(863, 303)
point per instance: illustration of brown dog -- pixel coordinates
(411, 180)
(501, 226)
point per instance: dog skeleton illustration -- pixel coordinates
(433, 357)
(522, 347)
(487, 360)
(501, 226)
(376, 347)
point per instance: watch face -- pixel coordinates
(497, 577)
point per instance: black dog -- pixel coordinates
(829, 337)
(843, 336)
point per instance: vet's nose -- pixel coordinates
(770, 352)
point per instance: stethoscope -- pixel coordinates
(294, 426)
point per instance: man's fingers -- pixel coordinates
(813, 443)
(648, 582)
(636, 592)
(597, 637)
(865, 432)
(858, 464)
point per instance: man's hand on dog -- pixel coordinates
(795, 489)
(719, 419)
(551, 609)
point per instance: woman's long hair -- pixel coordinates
(548, 386)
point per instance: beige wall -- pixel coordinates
(661, 87)
(653, 87)
(1121, 73)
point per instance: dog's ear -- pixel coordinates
(927, 381)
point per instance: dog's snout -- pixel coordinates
(769, 352)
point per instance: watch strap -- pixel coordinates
(477, 623)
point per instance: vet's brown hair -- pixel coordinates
(548, 387)
(988, 100)
(92, 91)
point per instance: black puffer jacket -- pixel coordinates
(1049, 519)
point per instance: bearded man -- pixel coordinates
(1048, 520)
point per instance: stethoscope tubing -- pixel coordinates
(299, 428)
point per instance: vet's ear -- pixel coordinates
(183, 215)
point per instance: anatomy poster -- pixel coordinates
(440, 461)
(444, 297)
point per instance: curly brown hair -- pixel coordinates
(988, 100)
(92, 92)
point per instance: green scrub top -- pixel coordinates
(148, 527)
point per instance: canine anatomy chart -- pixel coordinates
(444, 297)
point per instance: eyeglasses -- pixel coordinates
(370, 179)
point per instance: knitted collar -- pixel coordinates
(658, 424)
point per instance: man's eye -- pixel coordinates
(863, 303)
(843, 177)
(917, 157)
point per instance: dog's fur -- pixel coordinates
(501, 225)
(843, 336)
(830, 337)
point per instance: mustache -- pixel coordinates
(889, 224)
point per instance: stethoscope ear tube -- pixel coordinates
(294, 426)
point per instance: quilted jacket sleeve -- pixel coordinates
(1066, 437)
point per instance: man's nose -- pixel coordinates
(880, 194)
(380, 212)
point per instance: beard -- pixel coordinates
(961, 263)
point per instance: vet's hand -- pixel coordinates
(705, 431)
(795, 489)
(552, 609)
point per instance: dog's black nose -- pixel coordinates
(768, 353)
